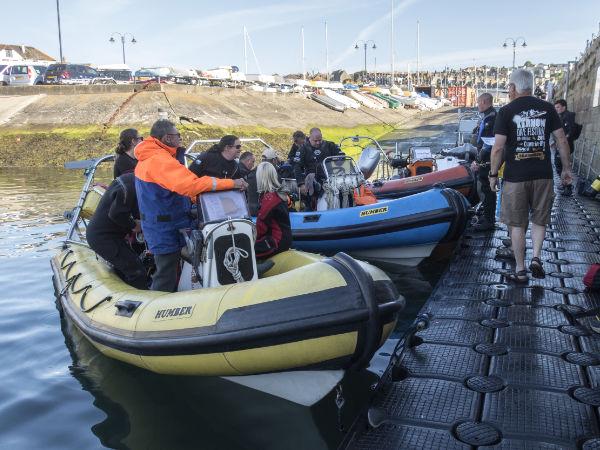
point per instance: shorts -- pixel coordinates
(527, 200)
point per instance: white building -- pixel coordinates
(18, 53)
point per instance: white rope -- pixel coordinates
(232, 259)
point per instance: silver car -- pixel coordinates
(17, 74)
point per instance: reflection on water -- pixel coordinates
(57, 391)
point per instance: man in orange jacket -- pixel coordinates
(164, 190)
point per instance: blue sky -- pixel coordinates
(205, 34)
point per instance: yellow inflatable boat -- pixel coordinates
(307, 312)
(304, 312)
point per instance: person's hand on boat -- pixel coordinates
(474, 166)
(240, 183)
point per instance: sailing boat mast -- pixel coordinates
(245, 51)
(418, 54)
(303, 59)
(326, 52)
(392, 47)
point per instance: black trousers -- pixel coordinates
(487, 196)
(124, 260)
(167, 271)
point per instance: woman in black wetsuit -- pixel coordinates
(125, 161)
(116, 216)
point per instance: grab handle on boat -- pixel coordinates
(126, 308)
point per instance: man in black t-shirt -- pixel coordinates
(522, 131)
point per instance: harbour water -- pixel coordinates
(57, 391)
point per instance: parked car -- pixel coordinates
(119, 76)
(70, 74)
(149, 74)
(166, 75)
(21, 74)
(117, 73)
(184, 76)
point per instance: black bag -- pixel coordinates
(576, 132)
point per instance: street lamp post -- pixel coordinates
(514, 45)
(60, 49)
(365, 43)
(122, 36)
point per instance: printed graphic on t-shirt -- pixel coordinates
(531, 138)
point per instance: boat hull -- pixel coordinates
(402, 231)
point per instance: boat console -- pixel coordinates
(342, 177)
(220, 250)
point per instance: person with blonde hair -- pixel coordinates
(274, 232)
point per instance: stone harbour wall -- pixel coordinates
(583, 97)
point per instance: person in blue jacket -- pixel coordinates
(165, 189)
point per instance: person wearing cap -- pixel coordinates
(284, 168)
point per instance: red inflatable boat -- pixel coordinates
(460, 178)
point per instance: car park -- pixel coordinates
(70, 74)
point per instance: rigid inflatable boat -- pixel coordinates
(308, 312)
(402, 231)
(304, 312)
(459, 178)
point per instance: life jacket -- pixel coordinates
(364, 196)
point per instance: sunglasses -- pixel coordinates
(236, 146)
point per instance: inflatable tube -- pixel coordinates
(460, 178)
(280, 322)
(402, 231)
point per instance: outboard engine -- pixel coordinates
(368, 160)
(221, 251)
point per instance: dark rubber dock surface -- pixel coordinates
(500, 365)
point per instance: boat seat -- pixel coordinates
(263, 267)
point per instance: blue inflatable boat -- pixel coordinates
(402, 231)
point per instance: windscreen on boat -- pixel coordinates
(223, 205)
(340, 166)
